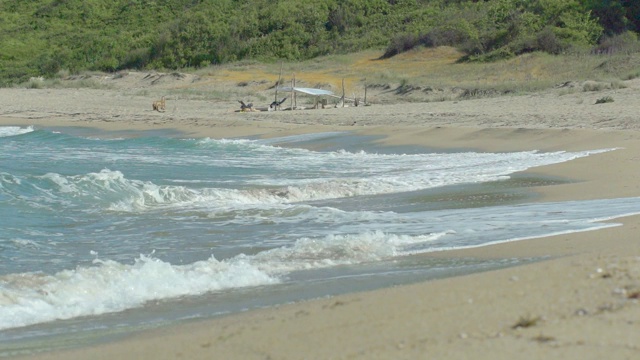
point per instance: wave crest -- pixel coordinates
(6, 131)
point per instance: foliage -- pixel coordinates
(46, 37)
(604, 100)
(626, 42)
(505, 28)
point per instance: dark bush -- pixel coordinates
(548, 42)
(443, 37)
(400, 44)
(434, 38)
(495, 55)
(135, 59)
(625, 43)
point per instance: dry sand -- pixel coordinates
(582, 303)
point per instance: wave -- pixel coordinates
(110, 286)
(349, 175)
(6, 131)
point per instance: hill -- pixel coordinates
(49, 37)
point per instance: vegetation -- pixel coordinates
(604, 100)
(47, 37)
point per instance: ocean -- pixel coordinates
(107, 233)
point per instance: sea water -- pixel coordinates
(103, 233)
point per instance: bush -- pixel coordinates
(625, 43)
(604, 100)
(399, 44)
(443, 37)
(547, 41)
(135, 59)
(495, 55)
(434, 38)
(594, 86)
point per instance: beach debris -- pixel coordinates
(604, 100)
(629, 292)
(601, 273)
(608, 307)
(581, 312)
(159, 105)
(569, 84)
(635, 295)
(620, 291)
(335, 304)
(276, 104)
(526, 322)
(245, 107)
(544, 338)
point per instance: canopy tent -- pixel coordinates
(308, 91)
(316, 93)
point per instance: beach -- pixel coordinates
(582, 302)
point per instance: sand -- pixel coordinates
(582, 303)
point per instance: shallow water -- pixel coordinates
(105, 233)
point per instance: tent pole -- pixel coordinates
(278, 84)
(343, 98)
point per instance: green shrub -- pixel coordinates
(400, 44)
(547, 41)
(594, 86)
(604, 100)
(40, 37)
(625, 43)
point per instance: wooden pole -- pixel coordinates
(365, 93)
(293, 84)
(295, 101)
(343, 98)
(277, 85)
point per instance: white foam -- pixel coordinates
(331, 250)
(6, 131)
(347, 175)
(307, 175)
(111, 286)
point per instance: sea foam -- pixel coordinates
(110, 286)
(218, 215)
(352, 174)
(6, 131)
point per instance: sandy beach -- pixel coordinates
(581, 303)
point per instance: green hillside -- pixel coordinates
(46, 37)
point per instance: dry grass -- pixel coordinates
(423, 74)
(433, 68)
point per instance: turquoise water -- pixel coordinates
(104, 233)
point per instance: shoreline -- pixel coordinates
(583, 302)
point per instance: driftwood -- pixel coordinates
(245, 107)
(276, 104)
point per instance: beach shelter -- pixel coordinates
(309, 91)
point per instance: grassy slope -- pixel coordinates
(419, 75)
(424, 68)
